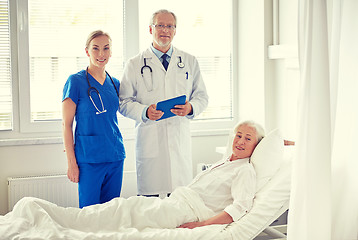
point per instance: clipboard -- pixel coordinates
(166, 105)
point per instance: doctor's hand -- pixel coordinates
(154, 114)
(182, 110)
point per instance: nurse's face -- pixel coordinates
(162, 37)
(99, 51)
(244, 142)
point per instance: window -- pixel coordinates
(5, 69)
(52, 36)
(57, 36)
(49, 45)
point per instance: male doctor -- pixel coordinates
(163, 146)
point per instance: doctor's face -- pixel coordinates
(244, 142)
(99, 51)
(162, 36)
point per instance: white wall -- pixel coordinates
(284, 57)
(28, 160)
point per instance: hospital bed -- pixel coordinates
(43, 220)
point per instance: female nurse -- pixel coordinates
(95, 152)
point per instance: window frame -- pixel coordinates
(22, 125)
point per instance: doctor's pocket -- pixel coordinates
(184, 83)
(147, 141)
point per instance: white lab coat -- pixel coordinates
(163, 148)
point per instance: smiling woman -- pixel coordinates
(244, 142)
(248, 135)
(95, 153)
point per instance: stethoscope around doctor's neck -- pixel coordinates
(91, 89)
(180, 64)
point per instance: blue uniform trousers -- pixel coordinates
(99, 182)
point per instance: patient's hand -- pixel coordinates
(191, 225)
(288, 143)
(221, 218)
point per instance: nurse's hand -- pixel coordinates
(73, 172)
(154, 114)
(182, 110)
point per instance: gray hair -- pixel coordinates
(95, 34)
(162, 11)
(260, 132)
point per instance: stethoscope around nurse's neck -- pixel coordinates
(90, 88)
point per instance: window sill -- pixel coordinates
(126, 136)
(31, 141)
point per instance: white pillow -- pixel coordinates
(267, 157)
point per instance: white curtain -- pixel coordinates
(324, 198)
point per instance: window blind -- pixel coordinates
(5, 69)
(57, 34)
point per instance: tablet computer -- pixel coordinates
(168, 104)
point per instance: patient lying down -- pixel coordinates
(229, 186)
(220, 195)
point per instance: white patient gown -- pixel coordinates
(227, 185)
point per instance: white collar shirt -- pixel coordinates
(227, 186)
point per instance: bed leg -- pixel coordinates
(274, 233)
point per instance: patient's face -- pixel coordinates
(244, 142)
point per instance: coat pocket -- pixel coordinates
(147, 141)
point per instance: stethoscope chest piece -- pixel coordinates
(180, 63)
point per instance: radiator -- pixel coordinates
(58, 189)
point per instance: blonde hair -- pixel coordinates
(95, 34)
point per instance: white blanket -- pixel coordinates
(133, 218)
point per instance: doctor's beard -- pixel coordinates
(163, 44)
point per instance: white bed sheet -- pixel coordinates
(34, 218)
(43, 220)
(39, 219)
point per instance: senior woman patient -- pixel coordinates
(220, 195)
(228, 187)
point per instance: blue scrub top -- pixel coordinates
(97, 136)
